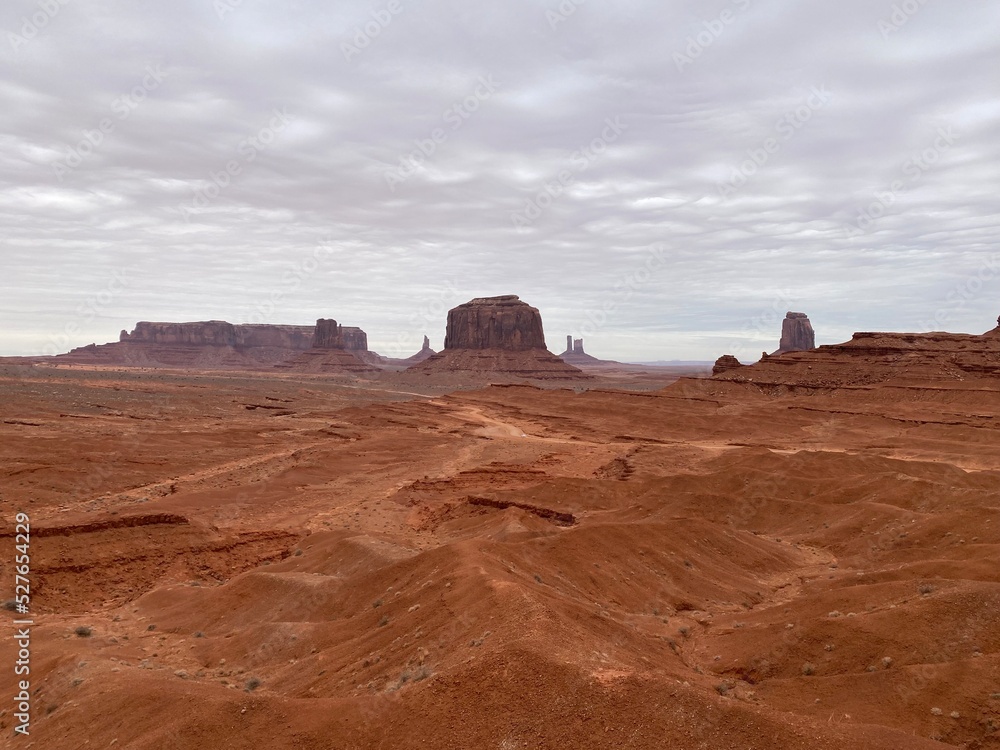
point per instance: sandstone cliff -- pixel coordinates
(495, 323)
(331, 335)
(220, 333)
(872, 357)
(725, 363)
(575, 355)
(212, 344)
(497, 338)
(797, 334)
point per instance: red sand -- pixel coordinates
(714, 565)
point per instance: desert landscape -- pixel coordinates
(538, 375)
(495, 549)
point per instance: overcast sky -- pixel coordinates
(664, 178)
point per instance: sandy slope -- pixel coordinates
(715, 565)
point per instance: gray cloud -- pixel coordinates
(149, 106)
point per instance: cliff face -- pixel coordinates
(497, 339)
(503, 323)
(219, 333)
(575, 355)
(331, 335)
(205, 333)
(725, 363)
(797, 334)
(210, 344)
(873, 357)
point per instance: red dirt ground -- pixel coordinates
(290, 561)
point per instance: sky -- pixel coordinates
(665, 178)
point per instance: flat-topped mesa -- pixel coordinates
(797, 334)
(206, 344)
(336, 349)
(205, 333)
(331, 335)
(496, 339)
(219, 333)
(495, 323)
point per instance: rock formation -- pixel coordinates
(725, 363)
(497, 336)
(575, 355)
(423, 354)
(796, 334)
(211, 344)
(336, 349)
(220, 333)
(870, 358)
(495, 323)
(331, 335)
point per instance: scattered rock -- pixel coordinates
(725, 363)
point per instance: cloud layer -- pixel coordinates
(665, 179)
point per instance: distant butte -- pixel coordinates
(493, 336)
(797, 334)
(874, 357)
(575, 355)
(725, 363)
(211, 344)
(424, 353)
(336, 349)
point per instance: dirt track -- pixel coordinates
(710, 566)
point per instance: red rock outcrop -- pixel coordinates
(497, 338)
(336, 349)
(211, 344)
(575, 355)
(797, 334)
(495, 323)
(424, 353)
(331, 335)
(725, 363)
(871, 357)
